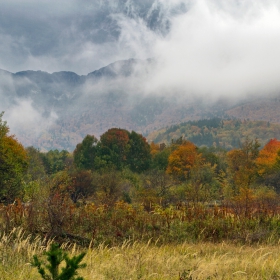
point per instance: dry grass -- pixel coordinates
(146, 261)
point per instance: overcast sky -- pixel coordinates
(233, 46)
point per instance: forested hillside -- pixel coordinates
(227, 134)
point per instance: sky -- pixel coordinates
(232, 46)
(203, 48)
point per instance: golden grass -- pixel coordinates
(147, 261)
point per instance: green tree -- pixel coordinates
(203, 184)
(160, 159)
(155, 188)
(115, 146)
(55, 161)
(139, 156)
(36, 169)
(85, 153)
(120, 148)
(13, 165)
(52, 271)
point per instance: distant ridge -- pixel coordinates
(67, 106)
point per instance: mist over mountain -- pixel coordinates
(56, 111)
(157, 63)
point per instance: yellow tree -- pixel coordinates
(242, 163)
(155, 149)
(242, 169)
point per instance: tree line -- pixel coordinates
(122, 165)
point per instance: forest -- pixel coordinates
(121, 188)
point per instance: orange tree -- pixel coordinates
(13, 164)
(267, 158)
(182, 160)
(268, 163)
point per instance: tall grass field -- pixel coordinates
(136, 260)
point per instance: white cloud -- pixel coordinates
(23, 118)
(214, 47)
(211, 50)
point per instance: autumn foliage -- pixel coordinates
(242, 163)
(268, 156)
(121, 187)
(183, 159)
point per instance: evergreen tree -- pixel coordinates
(55, 256)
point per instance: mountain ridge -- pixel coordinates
(63, 107)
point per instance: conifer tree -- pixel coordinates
(55, 256)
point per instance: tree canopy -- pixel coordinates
(13, 164)
(117, 148)
(85, 153)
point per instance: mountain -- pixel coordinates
(56, 111)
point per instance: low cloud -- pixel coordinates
(207, 47)
(216, 51)
(24, 120)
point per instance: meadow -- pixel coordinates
(136, 260)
